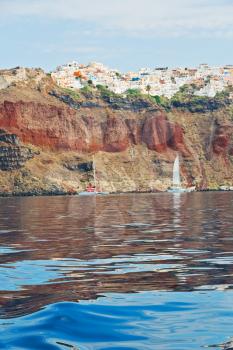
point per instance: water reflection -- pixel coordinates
(71, 248)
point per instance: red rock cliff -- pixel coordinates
(222, 143)
(62, 128)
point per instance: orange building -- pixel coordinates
(78, 74)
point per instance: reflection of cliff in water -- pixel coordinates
(77, 248)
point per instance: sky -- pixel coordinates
(122, 34)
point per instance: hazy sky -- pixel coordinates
(124, 34)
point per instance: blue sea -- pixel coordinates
(130, 271)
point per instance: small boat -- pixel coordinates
(176, 182)
(181, 190)
(226, 188)
(94, 193)
(91, 190)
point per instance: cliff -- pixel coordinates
(48, 137)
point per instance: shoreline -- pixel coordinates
(69, 194)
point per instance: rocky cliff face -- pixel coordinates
(46, 136)
(12, 155)
(222, 139)
(62, 128)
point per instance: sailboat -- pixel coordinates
(92, 190)
(176, 182)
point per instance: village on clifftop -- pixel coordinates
(161, 81)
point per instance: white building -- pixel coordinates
(162, 81)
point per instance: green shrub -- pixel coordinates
(162, 101)
(87, 90)
(72, 93)
(105, 92)
(101, 87)
(134, 92)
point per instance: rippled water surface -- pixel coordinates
(144, 271)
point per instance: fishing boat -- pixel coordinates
(176, 182)
(91, 190)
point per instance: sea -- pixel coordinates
(125, 271)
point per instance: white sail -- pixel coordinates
(176, 172)
(94, 171)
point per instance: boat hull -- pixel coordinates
(85, 193)
(181, 190)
